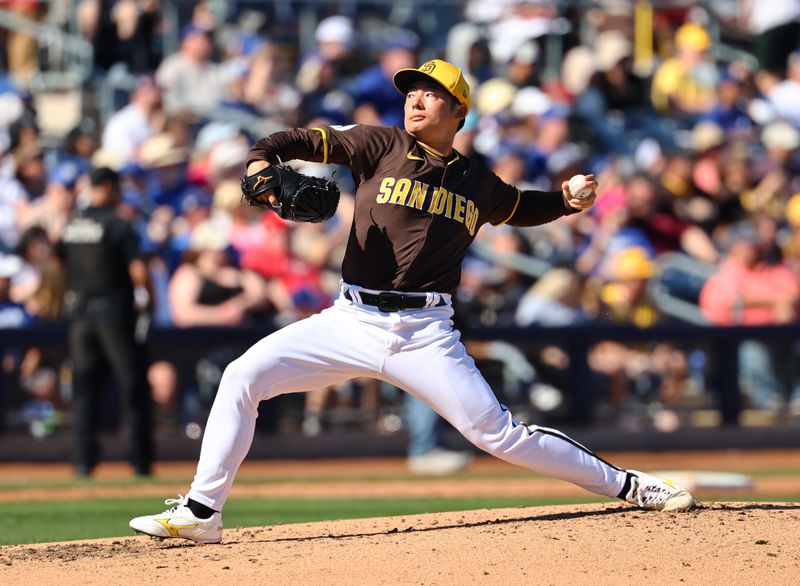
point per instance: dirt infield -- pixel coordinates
(733, 543)
(718, 543)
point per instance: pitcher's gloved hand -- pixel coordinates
(300, 198)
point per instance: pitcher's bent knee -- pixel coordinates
(239, 382)
(491, 432)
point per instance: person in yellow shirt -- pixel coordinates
(653, 371)
(625, 297)
(687, 82)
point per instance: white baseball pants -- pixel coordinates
(416, 350)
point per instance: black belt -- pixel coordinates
(389, 302)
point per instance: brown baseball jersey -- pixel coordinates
(416, 213)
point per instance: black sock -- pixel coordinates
(625, 487)
(200, 511)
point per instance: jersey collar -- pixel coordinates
(454, 156)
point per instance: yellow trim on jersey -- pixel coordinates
(455, 158)
(413, 157)
(324, 145)
(430, 152)
(516, 205)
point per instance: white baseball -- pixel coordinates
(579, 187)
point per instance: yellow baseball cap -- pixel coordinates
(443, 73)
(793, 210)
(633, 263)
(692, 36)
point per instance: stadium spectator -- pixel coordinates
(124, 31)
(785, 95)
(191, 81)
(519, 22)
(12, 197)
(555, 300)
(129, 128)
(40, 287)
(748, 291)
(265, 88)
(12, 315)
(31, 171)
(524, 68)
(729, 112)
(34, 249)
(136, 26)
(635, 373)
(164, 161)
(468, 49)
(776, 173)
(21, 55)
(81, 142)
(377, 101)
(206, 290)
(323, 75)
(684, 86)
(52, 210)
(615, 104)
(334, 53)
(776, 28)
(650, 213)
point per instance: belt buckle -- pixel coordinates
(389, 302)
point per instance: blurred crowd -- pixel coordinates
(694, 139)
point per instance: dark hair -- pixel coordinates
(454, 103)
(35, 232)
(101, 175)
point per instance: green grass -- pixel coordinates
(40, 522)
(13, 485)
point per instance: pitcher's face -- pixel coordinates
(429, 109)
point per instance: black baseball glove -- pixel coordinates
(301, 198)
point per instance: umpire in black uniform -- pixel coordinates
(108, 285)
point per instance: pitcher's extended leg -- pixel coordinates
(451, 384)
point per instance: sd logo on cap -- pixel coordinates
(428, 67)
(443, 73)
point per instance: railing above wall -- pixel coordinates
(68, 57)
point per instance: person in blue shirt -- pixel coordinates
(377, 100)
(729, 112)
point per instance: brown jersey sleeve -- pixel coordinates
(504, 199)
(524, 208)
(357, 146)
(540, 207)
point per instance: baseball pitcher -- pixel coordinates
(418, 206)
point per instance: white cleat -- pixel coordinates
(656, 494)
(180, 522)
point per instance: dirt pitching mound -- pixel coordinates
(718, 543)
